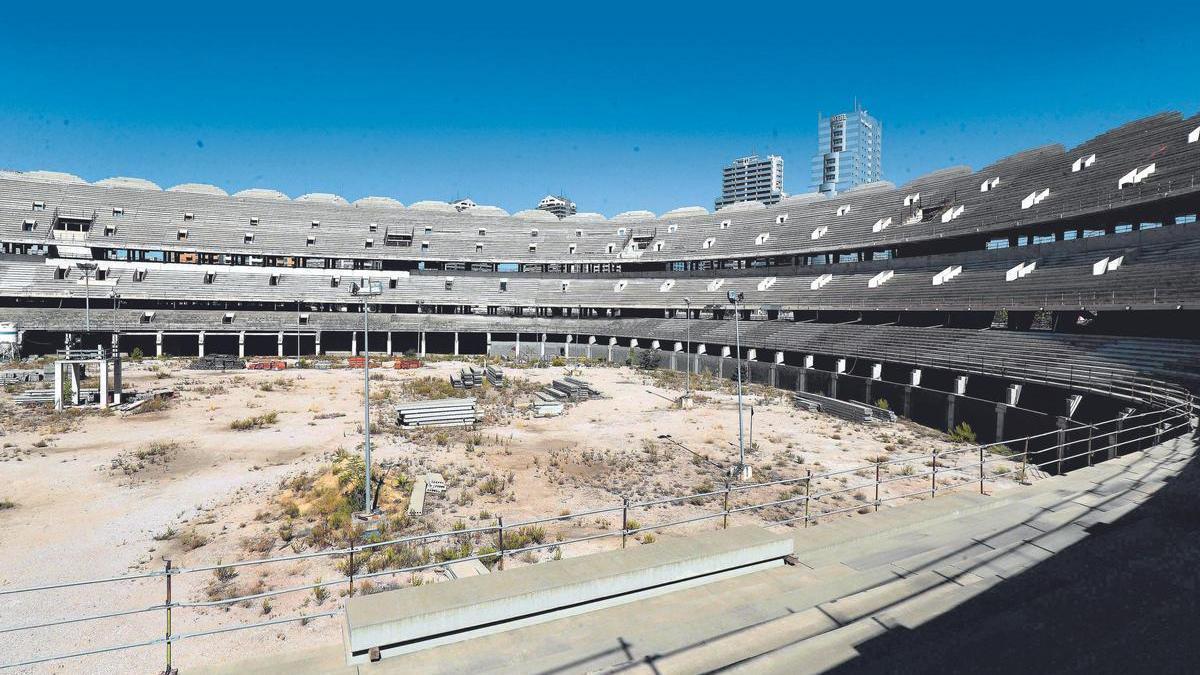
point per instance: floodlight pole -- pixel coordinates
(366, 291)
(735, 296)
(688, 330)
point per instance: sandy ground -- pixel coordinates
(111, 495)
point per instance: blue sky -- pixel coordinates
(620, 106)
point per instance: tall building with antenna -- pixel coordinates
(849, 151)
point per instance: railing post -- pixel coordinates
(1091, 433)
(933, 476)
(807, 494)
(500, 541)
(1025, 462)
(169, 670)
(725, 508)
(624, 519)
(876, 487)
(981, 470)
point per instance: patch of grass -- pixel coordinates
(7, 504)
(256, 422)
(963, 433)
(192, 540)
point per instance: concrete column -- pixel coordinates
(771, 378)
(867, 394)
(950, 411)
(116, 381)
(279, 344)
(103, 383)
(908, 401)
(518, 347)
(611, 341)
(158, 343)
(241, 344)
(591, 341)
(389, 343)
(751, 354)
(802, 383)
(354, 343)
(915, 378)
(542, 348)
(1000, 410)
(58, 383)
(422, 344)
(455, 342)
(1061, 437)
(200, 343)
(960, 385)
(317, 344)
(778, 357)
(487, 347)
(833, 379)
(877, 371)
(75, 381)
(841, 366)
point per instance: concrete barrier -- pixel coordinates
(420, 617)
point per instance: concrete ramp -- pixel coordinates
(411, 619)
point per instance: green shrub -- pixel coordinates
(136, 354)
(882, 403)
(963, 433)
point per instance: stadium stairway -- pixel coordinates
(864, 588)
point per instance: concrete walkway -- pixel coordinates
(1096, 570)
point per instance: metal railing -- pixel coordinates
(794, 502)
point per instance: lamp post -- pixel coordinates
(366, 291)
(688, 360)
(735, 297)
(87, 268)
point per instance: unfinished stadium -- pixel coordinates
(1039, 309)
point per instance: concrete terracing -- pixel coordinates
(1095, 569)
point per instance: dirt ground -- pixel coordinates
(89, 494)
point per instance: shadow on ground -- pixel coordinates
(1121, 600)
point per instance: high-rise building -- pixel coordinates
(558, 205)
(849, 151)
(752, 178)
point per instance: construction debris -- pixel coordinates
(217, 362)
(435, 483)
(446, 412)
(269, 364)
(847, 410)
(406, 364)
(416, 501)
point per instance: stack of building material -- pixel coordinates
(21, 376)
(469, 378)
(571, 389)
(35, 396)
(217, 362)
(406, 364)
(446, 412)
(848, 410)
(547, 405)
(495, 375)
(269, 364)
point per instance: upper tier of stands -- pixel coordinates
(1141, 269)
(1142, 161)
